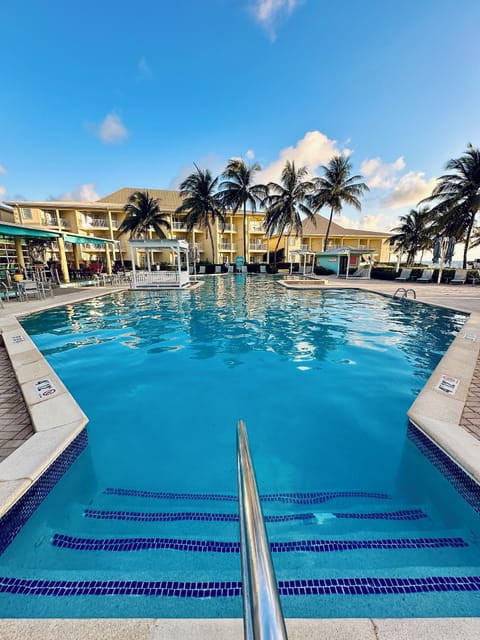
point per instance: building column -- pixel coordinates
(107, 259)
(18, 249)
(76, 255)
(63, 260)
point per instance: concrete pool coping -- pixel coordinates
(434, 411)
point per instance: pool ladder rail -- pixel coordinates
(262, 611)
(403, 293)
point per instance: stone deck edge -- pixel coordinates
(218, 629)
(438, 413)
(56, 417)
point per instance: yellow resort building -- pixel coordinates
(86, 233)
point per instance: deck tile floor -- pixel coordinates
(15, 423)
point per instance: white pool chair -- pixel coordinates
(459, 277)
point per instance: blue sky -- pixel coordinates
(99, 95)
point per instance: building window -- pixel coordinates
(27, 214)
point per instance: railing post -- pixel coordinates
(263, 617)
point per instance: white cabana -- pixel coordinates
(304, 269)
(157, 278)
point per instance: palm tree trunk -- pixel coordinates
(280, 235)
(467, 241)
(325, 243)
(245, 232)
(211, 240)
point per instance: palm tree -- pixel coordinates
(458, 197)
(336, 188)
(286, 201)
(201, 202)
(413, 233)
(143, 214)
(237, 191)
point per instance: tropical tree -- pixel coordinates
(285, 202)
(237, 190)
(143, 214)
(201, 203)
(413, 233)
(457, 195)
(336, 188)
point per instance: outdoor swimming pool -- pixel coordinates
(144, 523)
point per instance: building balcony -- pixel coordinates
(229, 228)
(256, 227)
(179, 225)
(91, 246)
(227, 246)
(258, 246)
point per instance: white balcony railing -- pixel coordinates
(227, 246)
(229, 228)
(49, 220)
(92, 246)
(258, 246)
(179, 225)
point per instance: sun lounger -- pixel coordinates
(404, 275)
(426, 276)
(459, 277)
(363, 272)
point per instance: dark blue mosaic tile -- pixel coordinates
(214, 546)
(175, 516)
(316, 497)
(464, 484)
(163, 588)
(17, 516)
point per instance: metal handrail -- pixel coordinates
(262, 611)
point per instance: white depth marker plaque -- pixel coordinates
(449, 385)
(45, 388)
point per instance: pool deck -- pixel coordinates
(454, 419)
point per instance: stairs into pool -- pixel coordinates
(336, 554)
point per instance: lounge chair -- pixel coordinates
(427, 275)
(218, 268)
(30, 288)
(362, 272)
(404, 275)
(230, 268)
(459, 277)
(201, 269)
(263, 269)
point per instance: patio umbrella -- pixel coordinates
(437, 246)
(450, 250)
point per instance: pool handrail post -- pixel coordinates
(262, 610)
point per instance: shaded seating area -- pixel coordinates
(427, 275)
(160, 278)
(405, 275)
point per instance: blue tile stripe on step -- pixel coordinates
(464, 484)
(315, 497)
(22, 510)
(175, 516)
(214, 546)
(225, 589)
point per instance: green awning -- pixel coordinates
(25, 232)
(75, 239)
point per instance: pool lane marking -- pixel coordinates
(296, 498)
(223, 589)
(175, 516)
(215, 546)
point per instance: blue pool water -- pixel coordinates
(323, 380)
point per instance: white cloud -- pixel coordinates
(381, 175)
(409, 190)
(82, 193)
(3, 170)
(368, 222)
(269, 13)
(3, 190)
(250, 155)
(143, 70)
(112, 129)
(313, 150)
